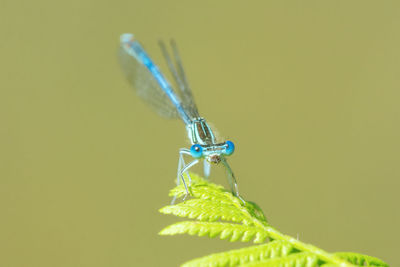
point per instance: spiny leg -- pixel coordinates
(181, 165)
(232, 180)
(183, 151)
(185, 169)
(207, 169)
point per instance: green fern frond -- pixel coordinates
(201, 189)
(233, 232)
(361, 260)
(274, 249)
(205, 210)
(216, 212)
(302, 259)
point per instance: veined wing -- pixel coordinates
(178, 73)
(148, 81)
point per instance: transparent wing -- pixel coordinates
(146, 85)
(185, 92)
(178, 73)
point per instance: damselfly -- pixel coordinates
(153, 87)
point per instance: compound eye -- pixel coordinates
(230, 148)
(197, 151)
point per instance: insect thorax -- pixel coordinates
(199, 132)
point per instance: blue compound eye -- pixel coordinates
(230, 148)
(196, 150)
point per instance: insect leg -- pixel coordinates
(181, 166)
(232, 180)
(184, 170)
(207, 169)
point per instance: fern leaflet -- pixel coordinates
(216, 212)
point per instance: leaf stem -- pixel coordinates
(276, 235)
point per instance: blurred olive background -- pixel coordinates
(307, 90)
